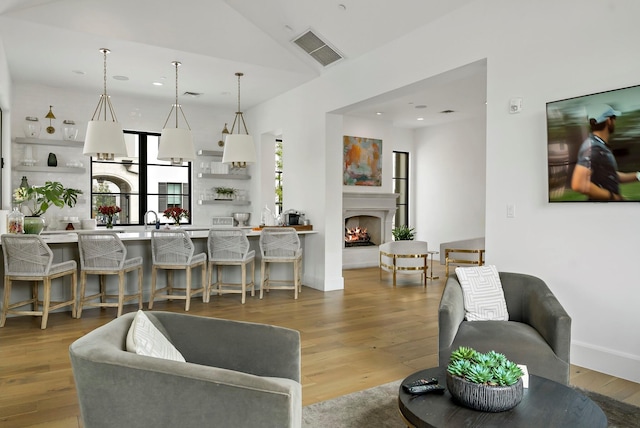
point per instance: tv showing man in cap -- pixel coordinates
(596, 173)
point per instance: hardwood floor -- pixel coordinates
(365, 335)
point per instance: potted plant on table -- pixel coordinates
(403, 233)
(488, 382)
(38, 199)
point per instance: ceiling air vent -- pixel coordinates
(317, 48)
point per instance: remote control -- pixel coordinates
(425, 389)
(419, 382)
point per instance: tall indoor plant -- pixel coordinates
(38, 199)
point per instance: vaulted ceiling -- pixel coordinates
(56, 43)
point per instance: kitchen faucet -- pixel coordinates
(155, 215)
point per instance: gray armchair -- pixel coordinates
(236, 374)
(537, 334)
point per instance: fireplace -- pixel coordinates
(368, 221)
(361, 231)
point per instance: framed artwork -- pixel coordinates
(362, 161)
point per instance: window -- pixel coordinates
(140, 182)
(401, 186)
(278, 199)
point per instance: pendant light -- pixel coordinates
(176, 144)
(238, 148)
(104, 139)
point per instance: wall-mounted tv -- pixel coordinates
(593, 146)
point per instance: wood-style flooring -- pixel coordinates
(365, 335)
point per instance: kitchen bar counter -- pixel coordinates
(64, 245)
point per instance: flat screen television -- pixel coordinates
(568, 128)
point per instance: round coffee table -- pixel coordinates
(545, 402)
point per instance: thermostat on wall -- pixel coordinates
(223, 221)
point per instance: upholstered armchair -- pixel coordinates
(537, 334)
(237, 374)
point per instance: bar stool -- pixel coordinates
(172, 250)
(29, 258)
(230, 247)
(280, 245)
(104, 254)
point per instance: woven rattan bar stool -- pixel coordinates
(29, 258)
(103, 254)
(230, 247)
(280, 245)
(173, 250)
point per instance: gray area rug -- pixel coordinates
(378, 407)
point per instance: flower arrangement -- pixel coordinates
(38, 199)
(176, 214)
(110, 211)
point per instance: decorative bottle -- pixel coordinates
(24, 183)
(15, 221)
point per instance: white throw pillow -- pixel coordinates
(483, 294)
(144, 338)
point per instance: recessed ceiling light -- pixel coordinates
(80, 72)
(158, 83)
(421, 106)
(192, 94)
(120, 78)
(421, 118)
(447, 111)
(379, 113)
(288, 28)
(342, 6)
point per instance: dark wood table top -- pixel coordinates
(545, 403)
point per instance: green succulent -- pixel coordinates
(491, 368)
(463, 353)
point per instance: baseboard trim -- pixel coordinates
(614, 363)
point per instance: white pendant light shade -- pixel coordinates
(104, 140)
(239, 150)
(176, 145)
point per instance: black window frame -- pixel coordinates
(402, 202)
(143, 193)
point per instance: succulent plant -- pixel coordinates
(491, 368)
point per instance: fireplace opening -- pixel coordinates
(362, 231)
(357, 237)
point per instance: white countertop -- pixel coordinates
(67, 236)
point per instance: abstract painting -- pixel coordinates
(362, 161)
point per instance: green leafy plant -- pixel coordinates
(402, 233)
(491, 368)
(228, 191)
(40, 198)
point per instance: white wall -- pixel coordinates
(540, 51)
(450, 177)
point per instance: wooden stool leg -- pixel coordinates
(120, 293)
(244, 282)
(74, 294)
(253, 278)
(140, 288)
(188, 290)
(154, 274)
(5, 302)
(46, 303)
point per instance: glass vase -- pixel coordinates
(31, 127)
(109, 222)
(15, 221)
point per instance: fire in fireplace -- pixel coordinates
(357, 237)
